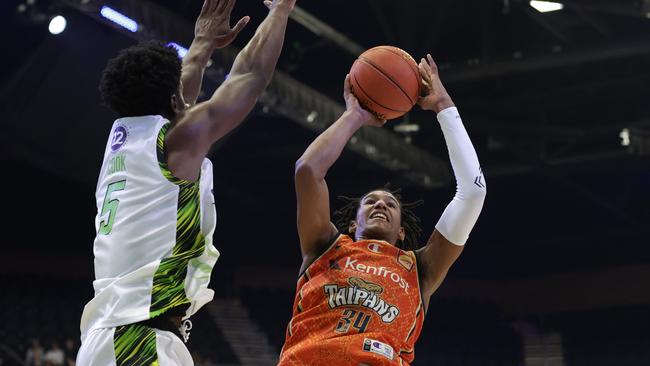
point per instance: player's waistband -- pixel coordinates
(164, 322)
(170, 321)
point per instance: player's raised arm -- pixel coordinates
(211, 31)
(315, 228)
(199, 127)
(452, 230)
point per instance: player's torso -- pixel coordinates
(153, 249)
(138, 206)
(359, 303)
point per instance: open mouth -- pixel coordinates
(379, 216)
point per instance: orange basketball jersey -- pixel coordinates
(357, 304)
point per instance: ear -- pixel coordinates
(177, 104)
(402, 233)
(352, 228)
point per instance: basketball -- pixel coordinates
(386, 81)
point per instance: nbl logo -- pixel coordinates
(119, 138)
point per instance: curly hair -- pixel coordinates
(409, 220)
(141, 80)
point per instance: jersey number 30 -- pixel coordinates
(110, 207)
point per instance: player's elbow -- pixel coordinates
(303, 168)
(306, 170)
(477, 194)
(474, 192)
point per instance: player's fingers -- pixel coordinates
(432, 64)
(346, 84)
(214, 4)
(268, 3)
(220, 4)
(349, 97)
(206, 7)
(425, 70)
(240, 24)
(426, 84)
(424, 65)
(230, 4)
(223, 5)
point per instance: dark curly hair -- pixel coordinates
(141, 80)
(409, 220)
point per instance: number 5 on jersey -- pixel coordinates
(110, 207)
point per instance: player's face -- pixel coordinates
(379, 217)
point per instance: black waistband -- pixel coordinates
(162, 322)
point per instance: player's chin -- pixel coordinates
(379, 229)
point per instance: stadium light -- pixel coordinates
(119, 19)
(625, 137)
(57, 25)
(182, 51)
(546, 6)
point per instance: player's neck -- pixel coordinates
(374, 237)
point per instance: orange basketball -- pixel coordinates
(386, 80)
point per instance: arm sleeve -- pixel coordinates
(461, 214)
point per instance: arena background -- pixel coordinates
(557, 270)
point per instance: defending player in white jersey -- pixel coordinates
(153, 249)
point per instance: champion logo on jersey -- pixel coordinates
(119, 138)
(374, 247)
(380, 348)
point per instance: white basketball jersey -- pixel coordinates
(153, 249)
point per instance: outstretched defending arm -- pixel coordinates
(452, 230)
(211, 31)
(315, 228)
(199, 127)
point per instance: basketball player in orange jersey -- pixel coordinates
(362, 294)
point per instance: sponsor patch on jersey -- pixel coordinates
(405, 260)
(380, 348)
(119, 138)
(374, 247)
(366, 285)
(353, 264)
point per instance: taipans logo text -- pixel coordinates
(362, 293)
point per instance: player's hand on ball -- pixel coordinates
(435, 96)
(352, 105)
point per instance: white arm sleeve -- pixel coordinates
(461, 214)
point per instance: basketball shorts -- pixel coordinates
(133, 345)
